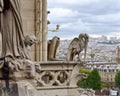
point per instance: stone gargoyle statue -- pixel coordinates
(76, 46)
(29, 41)
(52, 48)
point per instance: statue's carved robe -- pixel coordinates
(12, 31)
(1, 5)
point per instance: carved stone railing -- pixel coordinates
(55, 74)
(54, 78)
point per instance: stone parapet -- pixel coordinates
(58, 78)
(54, 78)
(58, 74)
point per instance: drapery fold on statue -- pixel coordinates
(1, 5)
(12, 30)
(1, 9)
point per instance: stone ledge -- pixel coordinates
(56, 87)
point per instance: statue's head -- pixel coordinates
(56, 38)
(29, 40)
(84, 36)
(87, 37)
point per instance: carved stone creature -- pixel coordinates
(76, 46)
(29, 40)
(18, 64)
(52, 47)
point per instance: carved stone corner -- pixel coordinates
(28, 72)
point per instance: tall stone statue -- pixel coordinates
(1, 5)
(13, 39)
(12, 31)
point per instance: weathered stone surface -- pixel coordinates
(76, 46)
(50, 86)
(56, 70)
(26, 88)
(58, 92)
(52, 48)
(13, 90)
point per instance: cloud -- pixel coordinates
(99, 7)
(95, 17)
(71, 2)
(61, 15)
(104, 19)
(63, 12)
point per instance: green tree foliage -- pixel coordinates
(92, 55)
(94, 80)
(86, 71)
(105, 85)
(83, 82)
(117, 79)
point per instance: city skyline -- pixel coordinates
(94, 17)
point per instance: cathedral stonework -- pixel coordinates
(33, 75)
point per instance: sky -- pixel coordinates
(94, 17)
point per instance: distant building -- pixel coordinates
(103, 38)
(106, 70)
(118, 54)
(113, 38)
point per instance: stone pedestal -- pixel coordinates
(54, 79)
(23, 88)
(13, 90)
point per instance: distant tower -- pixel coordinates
(118, 54)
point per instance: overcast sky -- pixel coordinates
(95, 17)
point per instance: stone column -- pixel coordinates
(44, 30)
(38, 30)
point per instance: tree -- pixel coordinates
(92, 55)
(83, 82)
(117, 79)
(105, 84)
(86, 71)
(94, 80)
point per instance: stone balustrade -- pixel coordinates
(55, 78)
(58, 74)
